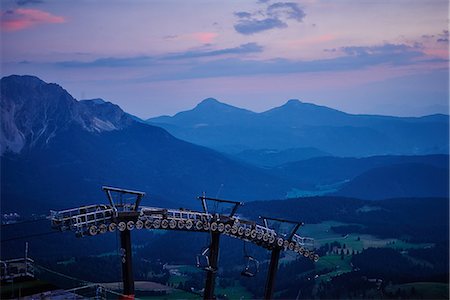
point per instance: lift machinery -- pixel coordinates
(124, 213)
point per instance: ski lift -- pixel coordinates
(251, 264)
(251, 267)
(203, 261)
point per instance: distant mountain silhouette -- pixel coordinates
(297, 113)
(68, 149)
(208, 112)
(330, 170)
(399, 181)
(300, 125)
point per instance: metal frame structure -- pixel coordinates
(125, 217)
(291, 242)
(16, 268)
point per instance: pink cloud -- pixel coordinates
(23, 18)
(441, 52)
(201, 37)
(204, 37)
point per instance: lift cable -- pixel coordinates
(85, 283)
(95, 285)
(28, 236)
(219, 190)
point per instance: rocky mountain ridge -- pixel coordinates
(33, 111)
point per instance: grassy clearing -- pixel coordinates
(179, 274)
(323, 234)
(296, 193)
(335, 262)
(175, 280)
(320, 190)
(237, 291)
(399, 244)
(321, 231)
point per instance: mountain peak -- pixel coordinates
(33, 112)
(24, 79)
(213, 106)
(305, 107)
(208, 112)
(297, 113)
(291, 102)
(210, 102)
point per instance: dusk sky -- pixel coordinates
(161, 57)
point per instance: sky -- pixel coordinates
(164, 56)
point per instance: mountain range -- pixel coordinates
(57, 152)
(304, 125)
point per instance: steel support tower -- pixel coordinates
(213, 259)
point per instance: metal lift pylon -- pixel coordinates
(271, 273)
(125, 213)
(275, 255)
(127, 264)
(214, 246)
(210, 282)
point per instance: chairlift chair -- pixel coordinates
(251, 267)
(203, 261)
